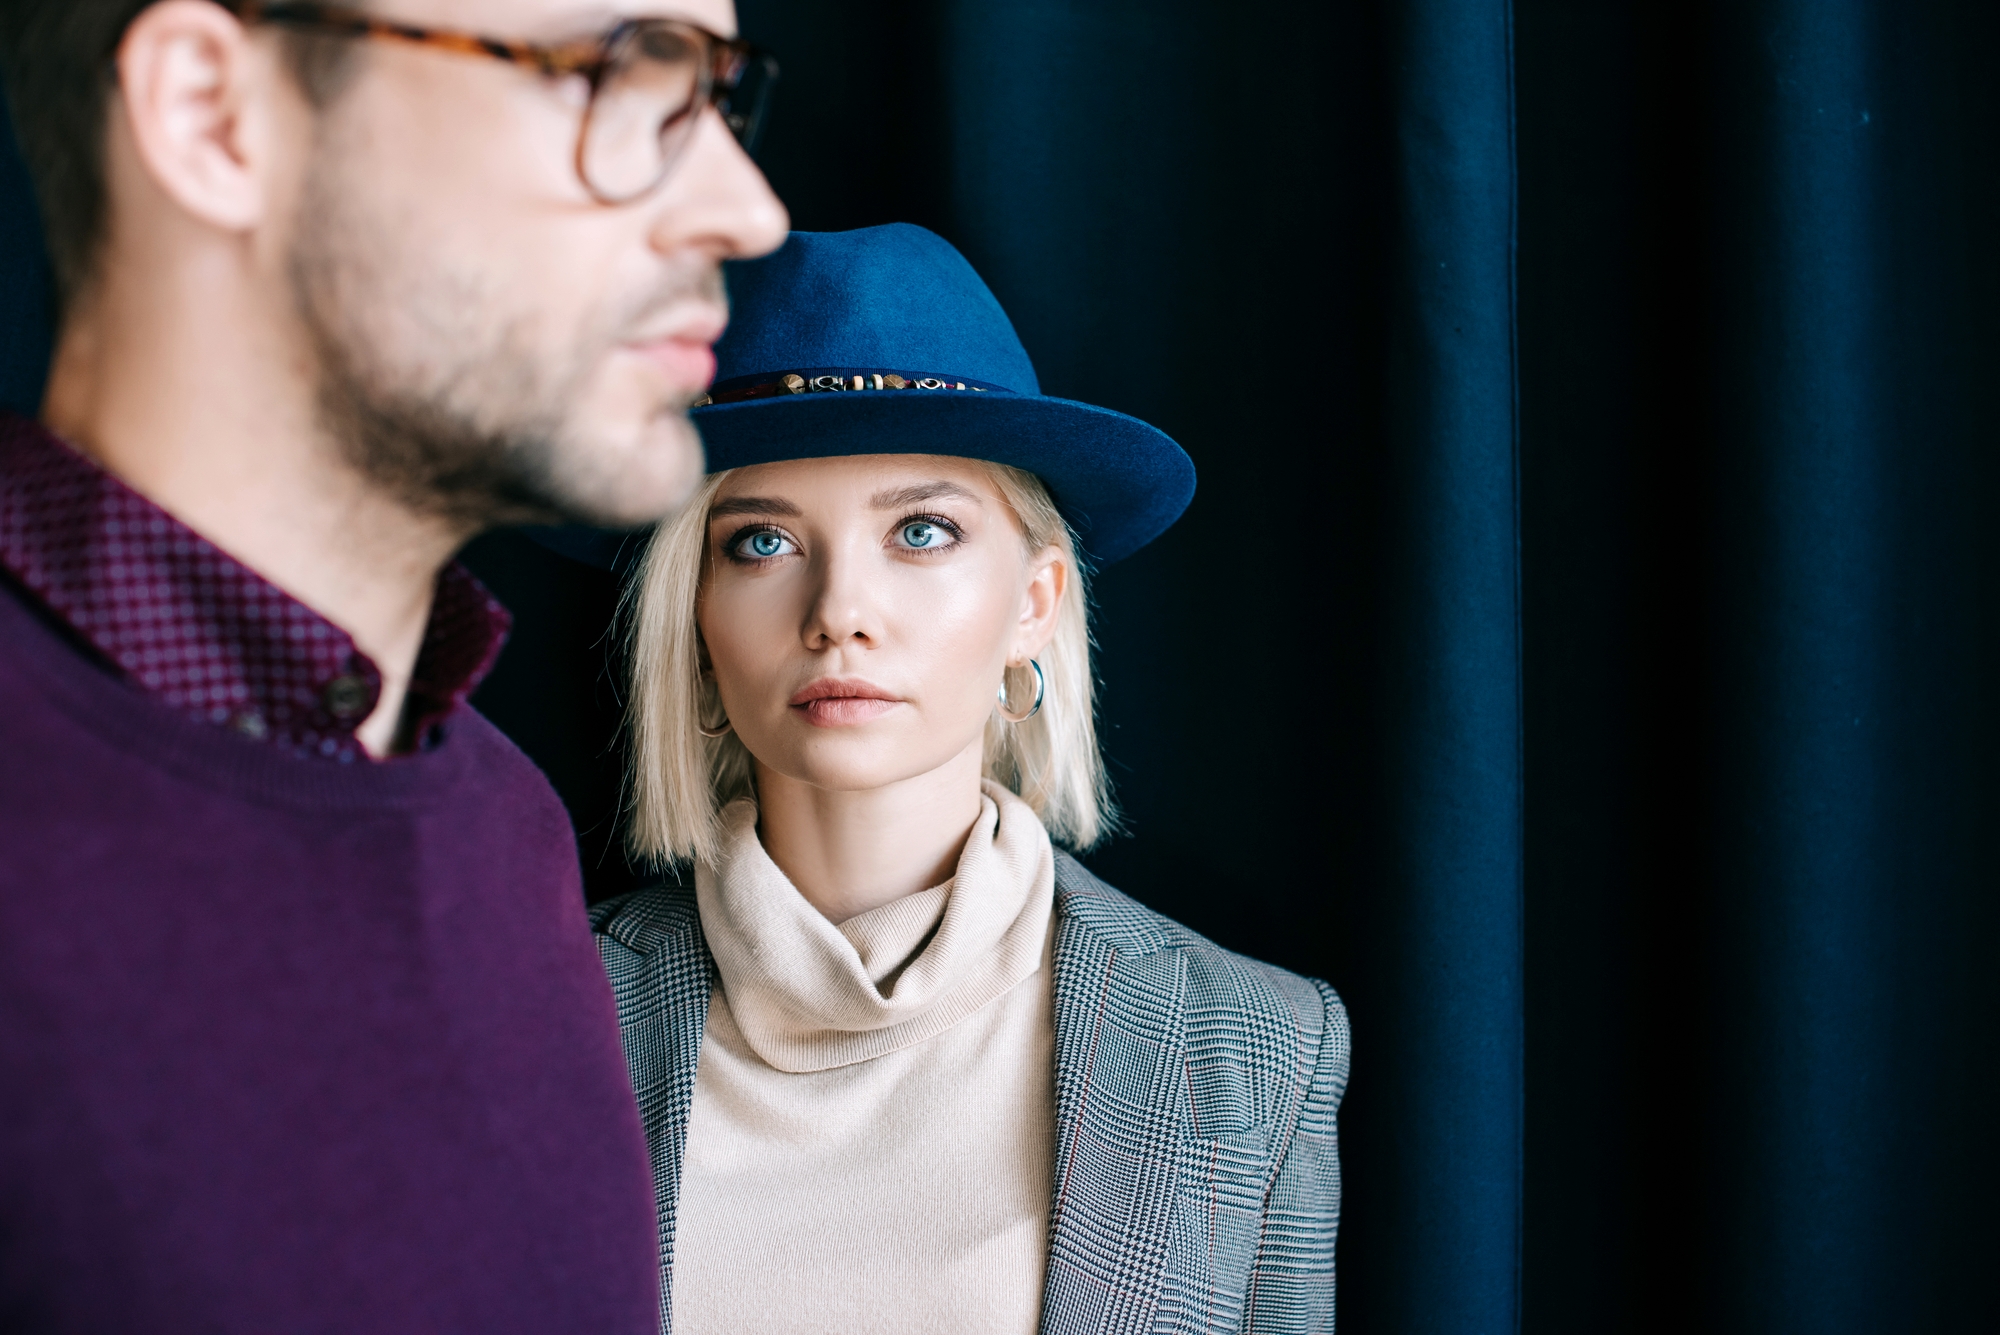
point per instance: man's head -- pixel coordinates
(484, 338)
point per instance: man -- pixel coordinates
(301, 1027)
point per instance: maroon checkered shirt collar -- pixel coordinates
(204, 633)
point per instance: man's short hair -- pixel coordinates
(56, 57)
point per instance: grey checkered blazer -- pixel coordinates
(1197, 1182)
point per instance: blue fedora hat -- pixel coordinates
(884, 340)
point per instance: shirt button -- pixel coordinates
(348, 698)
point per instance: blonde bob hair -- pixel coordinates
(681, 780)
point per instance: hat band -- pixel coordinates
(835, 382)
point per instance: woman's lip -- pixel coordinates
(835, 702)
(842, 711)
(840, 688)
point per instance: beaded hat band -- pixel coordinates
(816, 382)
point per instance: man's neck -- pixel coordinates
(217, 426)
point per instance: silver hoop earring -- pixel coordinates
(1041, 690)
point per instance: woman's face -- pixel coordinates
(858, 613)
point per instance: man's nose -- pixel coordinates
(717, 199)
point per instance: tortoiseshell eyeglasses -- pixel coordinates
(650, 79)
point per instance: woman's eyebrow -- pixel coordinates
(923, 491)
(754, 505)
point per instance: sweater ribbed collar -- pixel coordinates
(810, 996)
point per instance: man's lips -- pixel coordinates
(688, 363)
(833, 702)
(683, 346)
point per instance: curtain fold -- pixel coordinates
(1844, 660)
(1446, 1039)
(1759, 422)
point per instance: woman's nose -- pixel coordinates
(843, 610)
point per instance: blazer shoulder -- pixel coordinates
(648, 919)
(1259, 1009)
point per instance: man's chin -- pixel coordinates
(634, 485)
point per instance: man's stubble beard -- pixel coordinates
(476, 431)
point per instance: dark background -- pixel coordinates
(1756, 360)
(1582, 649)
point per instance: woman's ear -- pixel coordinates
(1048, 585)
(195, 103)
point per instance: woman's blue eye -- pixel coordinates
(921, 535)
(763, 546)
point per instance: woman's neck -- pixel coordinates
(849, 852)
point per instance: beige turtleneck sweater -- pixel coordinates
(872, 1140)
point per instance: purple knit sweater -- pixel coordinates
(290, 1046)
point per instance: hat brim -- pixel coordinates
(1120, 482)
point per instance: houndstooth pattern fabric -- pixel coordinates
(661, 976)
(1197, 1174)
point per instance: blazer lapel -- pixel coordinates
(1121, 1041)
(662, 978)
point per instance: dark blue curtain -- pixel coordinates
(25, 310)
(1759, 361)
(1582, 649)
(1852, 371)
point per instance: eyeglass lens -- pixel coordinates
(650, 97)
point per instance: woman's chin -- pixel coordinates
(851, 762)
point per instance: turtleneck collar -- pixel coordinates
(810, 996)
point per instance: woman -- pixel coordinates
(903, 1065)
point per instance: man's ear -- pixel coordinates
(193, 99)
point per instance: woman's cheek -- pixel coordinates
(966, 634)
(734, 632)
